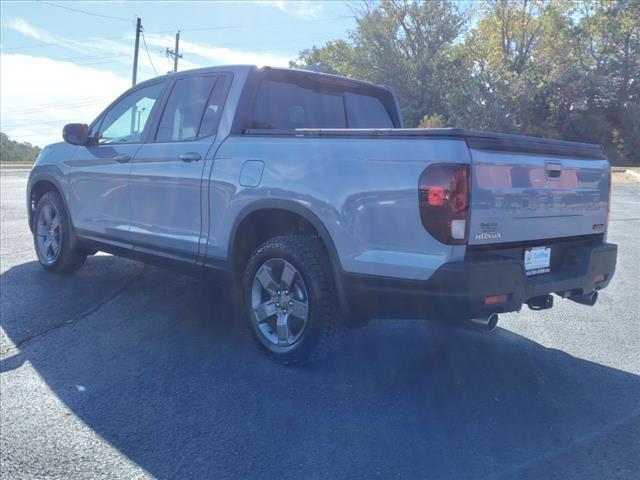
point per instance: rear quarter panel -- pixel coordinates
(363, 190)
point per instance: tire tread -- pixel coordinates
(309, 252)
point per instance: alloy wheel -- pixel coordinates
(279, 302)
(48, 233)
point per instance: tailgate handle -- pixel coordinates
(553, 169)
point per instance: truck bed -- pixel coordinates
(522, 188)
(475, 139)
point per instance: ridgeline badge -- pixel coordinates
(489, 231)
(488, 236)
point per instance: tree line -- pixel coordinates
(550, 68)
(13, 151)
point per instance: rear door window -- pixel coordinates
(281, 105)
(365, 111)
(286, 105)
(193, 109)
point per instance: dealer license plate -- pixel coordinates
(537, 260)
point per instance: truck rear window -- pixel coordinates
(284, 105)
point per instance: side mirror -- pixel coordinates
(76, 133)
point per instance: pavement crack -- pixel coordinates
(84, 314)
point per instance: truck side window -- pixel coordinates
(213, 112)
(126, 120)
(365, 111)
(193, 109)
(283, 105)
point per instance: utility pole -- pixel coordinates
(175, 54)
(135, 52)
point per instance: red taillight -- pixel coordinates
(495, 299)
(444, 201)
(435, 196)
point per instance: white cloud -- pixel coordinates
(22, 26)
(300, 8)
(40, 95)
(219, 55)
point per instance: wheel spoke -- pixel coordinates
(288, 273)
(282, 318)
(54, 245)
(298, 309)
(47, 246)
(47, 213)
(265, 310)
(55, 223)
(282, 328)
(265, 277)
(42, 230)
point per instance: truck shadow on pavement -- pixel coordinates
(160, 367)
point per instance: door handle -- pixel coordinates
(123, 158)
(190, 157)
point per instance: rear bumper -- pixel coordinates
(457, 290)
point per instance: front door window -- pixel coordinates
(126, 120)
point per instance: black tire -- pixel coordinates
(309, 258)
(67, 259)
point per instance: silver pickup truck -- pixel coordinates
(306, 189)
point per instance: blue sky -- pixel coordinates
(65, 61)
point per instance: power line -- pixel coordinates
(35, 124)
(148, 55)
(85, 12)
(62, 43)
(220, 27)
(272, 24)
(86, 57)
(32, 109)
(63, 104)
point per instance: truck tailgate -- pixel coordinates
(517, 196)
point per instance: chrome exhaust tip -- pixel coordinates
(487, 324)
(588, 299)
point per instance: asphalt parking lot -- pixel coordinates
(130, 371)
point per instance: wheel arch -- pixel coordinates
(38, 186)
(288, 208)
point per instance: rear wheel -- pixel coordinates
(52, 236)
(289, 299)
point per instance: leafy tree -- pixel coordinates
(433, 121)
(10, 150)
(541, 67)
(400, 43)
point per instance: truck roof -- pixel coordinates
(246, 68)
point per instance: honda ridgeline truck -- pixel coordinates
(325, 211)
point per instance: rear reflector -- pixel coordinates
(598, 278)
(443, 196)
(495, 299)
(458, 229)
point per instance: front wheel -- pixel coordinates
(289, 299)
(52, 236)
